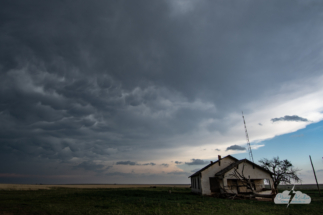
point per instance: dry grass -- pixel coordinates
(83, 186)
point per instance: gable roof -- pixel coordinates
(207, 166)
(228, 168)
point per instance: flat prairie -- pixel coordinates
(83, 186)
(140, 200)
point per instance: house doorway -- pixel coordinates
(214, 184)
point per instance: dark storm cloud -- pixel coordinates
(120, 174)
(151, 163)
(131, 163)
(91, 166)
(196, 162)
(178, 173)
(294, 118)
(96, 79)
(178, 162)
(236, 147)
(217, 150)
(165, 164)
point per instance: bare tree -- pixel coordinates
(283, 170)
(240, 176)
(243, 181)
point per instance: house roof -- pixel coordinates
(207, 166)
(228, 168)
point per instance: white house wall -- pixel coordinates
(210, 172)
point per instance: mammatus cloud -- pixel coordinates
(178, 162)
(294, 118)
(68, 96)
(236, 147)
(196, 162)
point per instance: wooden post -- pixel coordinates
(318, 187)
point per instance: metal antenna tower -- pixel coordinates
(247, 136)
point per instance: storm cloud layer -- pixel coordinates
(290, 118)
(236, 147)
(97, 85)
(196, 162)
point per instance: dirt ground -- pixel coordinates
(85, 186)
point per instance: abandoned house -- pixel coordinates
(230, 175)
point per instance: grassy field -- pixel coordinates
(82, 186)
(140, 200)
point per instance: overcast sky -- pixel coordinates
(151, 91)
